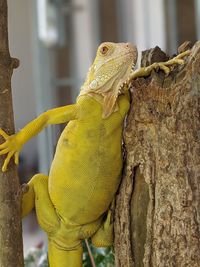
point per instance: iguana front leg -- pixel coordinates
(145, 71)
(14, 143)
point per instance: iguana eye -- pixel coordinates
(104, 49)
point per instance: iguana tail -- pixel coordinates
(64, 258)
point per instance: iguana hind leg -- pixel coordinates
(37, 196)
(104, 235)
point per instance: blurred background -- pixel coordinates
(56, 41)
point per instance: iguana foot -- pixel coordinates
(104, 236)
(11, 147)
(37, 196)
(145, 71)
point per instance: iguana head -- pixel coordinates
(111, 69)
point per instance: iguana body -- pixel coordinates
(72, 203)
(88, 153)
(83, 178)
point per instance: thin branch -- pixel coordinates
(90, 254)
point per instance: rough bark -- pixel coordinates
(10, 194)
(157, 220)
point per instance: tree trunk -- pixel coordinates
(157, 219)
(11, 253)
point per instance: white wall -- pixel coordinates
(142, 22)
(85, 28)
(20, 17)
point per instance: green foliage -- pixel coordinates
(36, 257)
(103, 257)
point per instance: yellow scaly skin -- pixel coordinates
(75, 201)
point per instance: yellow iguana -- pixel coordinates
(73, 202)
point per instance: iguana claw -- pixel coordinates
(4, 134)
